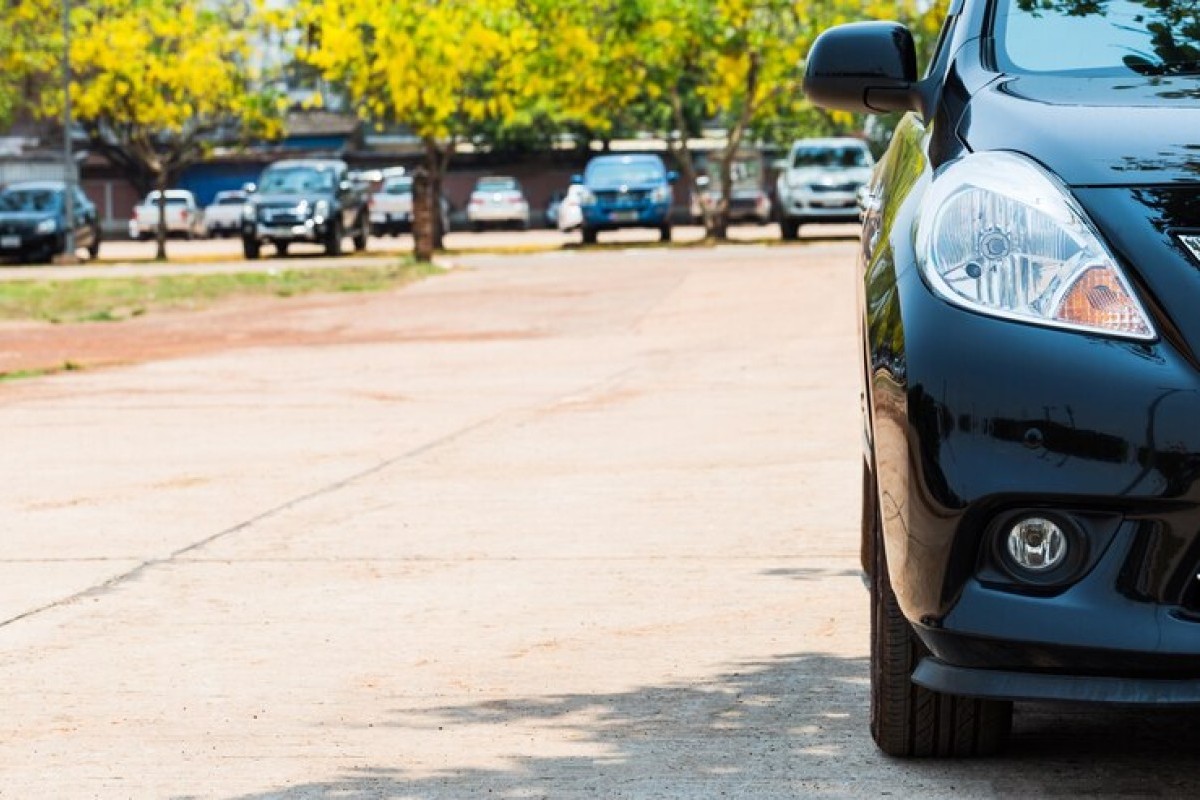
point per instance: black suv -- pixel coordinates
(1028, 285)
(311, 201)
(33, 221)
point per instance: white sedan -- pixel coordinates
(498, 202)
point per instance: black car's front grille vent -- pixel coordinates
(281, 215)
(14, 228)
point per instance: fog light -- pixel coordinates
(1037, 544)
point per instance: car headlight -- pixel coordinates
(249, 212)
(320, 210)
(49, 225)
(999, 235)
(660, 194)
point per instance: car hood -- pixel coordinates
(831, 176)
(647, 186)
(1092, 131)
(288, 199)
(26, 217)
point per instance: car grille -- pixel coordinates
(610, 198)
(835, 187)
(286, 215)
(15, 228)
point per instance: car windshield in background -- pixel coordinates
(172, 199)
(230, 200)
(29, 200)
(614, 173)
(296, 180)
(829, 157)
(1107, 37)
(496, 185)
(398, 186)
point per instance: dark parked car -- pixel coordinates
(310, 201)
(1029, 285)
(33, 221)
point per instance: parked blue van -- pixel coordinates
(626, 191)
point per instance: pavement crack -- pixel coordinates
(176, 555)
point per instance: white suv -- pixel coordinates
(821, 181)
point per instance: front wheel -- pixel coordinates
(333, 241)
(790, 229)
(360, 238)
(589, 235)
(908, 720)
(664, 233)
(94, 247)
(250, 248)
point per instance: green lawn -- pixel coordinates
(115, 299)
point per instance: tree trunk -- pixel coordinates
(437, 161)
(424, 220)
(720, 228)
(687, 166)
(160, 254)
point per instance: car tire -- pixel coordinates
(281, 248)
(333, 241)
(589, 235)
(664, 233)
(363, 233)
(93, 249)
(251, 248)
(910, 721)
(790, 229)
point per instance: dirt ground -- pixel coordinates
(577, 524)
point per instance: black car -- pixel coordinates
(305, 200)
(1029, 285)
(33, 221)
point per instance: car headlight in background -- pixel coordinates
(999, 235)
(320, 210)
(249, 212)
(660, 194)
(49, 225)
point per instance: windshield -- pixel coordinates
(496, 185)
(29, 200)
(848, 156)
(1107, 37)
(398, 186)
(230, 199)
(619, 173)
(296, 180)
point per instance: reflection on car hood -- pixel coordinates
(1093, 131)
(26, 217)
(288, 199)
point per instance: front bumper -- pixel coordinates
(610, 217)
(498, 214)
(23, 245)
(806, 205)
(975, 418)
(308, 231)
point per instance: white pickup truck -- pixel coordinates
(184, 217)
(223, 216)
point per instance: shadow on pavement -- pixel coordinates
(795, 726)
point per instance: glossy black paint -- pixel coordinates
(969, 418)
(864, 66)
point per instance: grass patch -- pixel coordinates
(22, 374)
(118, 299)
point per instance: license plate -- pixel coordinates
(623, 216)
(10, 242)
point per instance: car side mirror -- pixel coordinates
(865, 67)
(249, 188)
(672, 176)
(577, 180)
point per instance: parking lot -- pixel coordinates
(574, 523)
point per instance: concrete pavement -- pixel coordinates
(560, 525)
